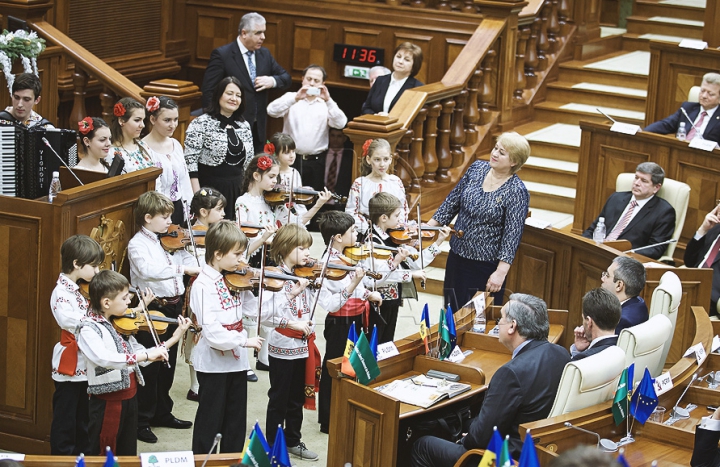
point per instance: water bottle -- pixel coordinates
(54, 186)
(681, 134)
(599, 232)
(479, 322)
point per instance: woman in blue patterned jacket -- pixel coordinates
(491, 204)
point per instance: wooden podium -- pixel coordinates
(33, 231)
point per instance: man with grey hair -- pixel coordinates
(252, 64)
(377, 71)
(625, 278)
(639, 216)
(521, 391)
(703, 115)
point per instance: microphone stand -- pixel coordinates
(218, 437)
(47, 143)
(635, 250)
(697, 132)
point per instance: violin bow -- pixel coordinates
(372, 268)
(145, 312)
(420, 248)
(322, 279)
(290, 196)
(260, 292)
(186, 211)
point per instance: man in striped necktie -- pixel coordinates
(639, 216)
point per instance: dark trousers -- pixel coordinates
(336, 331)
(127, 432)
(222, 409)
(286, 397)
(312, 170)
(465, 277)
(154, 402)
(430, 451)
(389, 311)
(69, 429)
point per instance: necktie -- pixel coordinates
(622, 223)
(713, 254)
(699, 123)
(251, 66)
(332, 171)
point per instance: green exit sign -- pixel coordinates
(356, 72)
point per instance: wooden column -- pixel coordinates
(531, 57)
(543, 45)
(520, 81)
(430, 158)
(107, 101)
(444, 156)
(416, 151)
(403, 155)
(457, 136)
(184, 93)
(553, 26)
(487, 94)
(78, 112)
(586, 16)
(472, 114)
(711, 31)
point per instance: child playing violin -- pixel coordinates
(220, 356)
(377, 159)
(81, 257)
(111, 360)
(294, 358)
(385, 210)
(345, 300)
(153, 267)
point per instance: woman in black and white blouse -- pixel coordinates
(219, 144)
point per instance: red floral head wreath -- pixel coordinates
(152, 104)
(366, 146)
(85, 125)
(269, 148)
(264, 163)
(119, 110)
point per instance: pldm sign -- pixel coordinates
(168, 459)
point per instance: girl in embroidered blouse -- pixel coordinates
(220, 356)
(491, 204)
(95, 139)
(167, 152)
(219, 143)
(125, 127)
(377, 159)
(294, 359)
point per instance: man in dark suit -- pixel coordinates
(639, 216)
(702, 252)
(523, 390)
(703, 115)
(625, 278)
(254, 66)
(707, 435)
(601, 313)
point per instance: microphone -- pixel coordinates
(606, 115)
(218, 437)
(602, 444)
(697, 132)
(679, 412)
(47, 143)
(635, 250)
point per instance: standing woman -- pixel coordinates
(95, 143)
(491, 204)
(385, 92)
(219, 144)
(126, 125)
(167, 151)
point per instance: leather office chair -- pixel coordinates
(665, 301)
(644, 344)
(674, 192)
(589, 381)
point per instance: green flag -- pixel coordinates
(620, 401)
(255, 454)
(445, 339)
(504, 459)
(363, 361)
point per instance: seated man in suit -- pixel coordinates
(523, 390)
(707, 435)
(639, 216)
(252, 64)
(25, 96)
(703, 115)
(308, 115)
(702, 252)
(625, 278)
(601, 313)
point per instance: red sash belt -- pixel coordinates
(312, 365)
(113, 415)
(69, 356)
(355, 307)
(234, 327)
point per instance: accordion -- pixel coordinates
(27, 163)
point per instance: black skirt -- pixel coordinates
(225, 178)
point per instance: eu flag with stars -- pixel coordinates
(644, 399)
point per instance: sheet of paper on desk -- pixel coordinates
(715, 344)
(421, 390)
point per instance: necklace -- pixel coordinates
(496, 184)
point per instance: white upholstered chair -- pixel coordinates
(694, 94)
(674, 192)
(644, 345)
(589, 381)
(665, 301)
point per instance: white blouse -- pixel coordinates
(174, 182)
(363, 189)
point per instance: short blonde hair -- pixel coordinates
(153, 203)
(223, 236)
(517, 147)
(287, 238)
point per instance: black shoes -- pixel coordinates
(251, 376)
(193, 396)
(146, 435)
(260, 366)
(174, 423)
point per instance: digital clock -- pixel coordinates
(358, 55)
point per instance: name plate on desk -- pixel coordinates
(699, 351)
(715, 344)
(624, 128)
(167, 459)
(704, 144)
(386, 350)
(13, 456)
(693, 44)
(457, 355)
(663, 383)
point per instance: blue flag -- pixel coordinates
(644, 399)
(261, 437)
(279, 456)
(528, 456)
(450, 320)
(373, 342)
(621, 459)
(80, 461)
(109, 457)
(493, 450)
(631, 380)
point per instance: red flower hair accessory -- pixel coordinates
(366, 146)
(119, 110)
(269, 148)
(85, 125)
(264, 163)
(152, 104)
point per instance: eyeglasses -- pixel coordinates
(605, 275)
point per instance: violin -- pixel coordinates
(412, 256)
(335, 271)
(247, 278)
(403, 236)
(177, 238)
(281, 195)
(362, 252)
(131, 323)
(251, 230)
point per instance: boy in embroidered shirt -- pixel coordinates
(399, 272)
(220, 356)
(111, 360)
(294, 358)
(346, 302)
(81, 257)
(153, 267)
